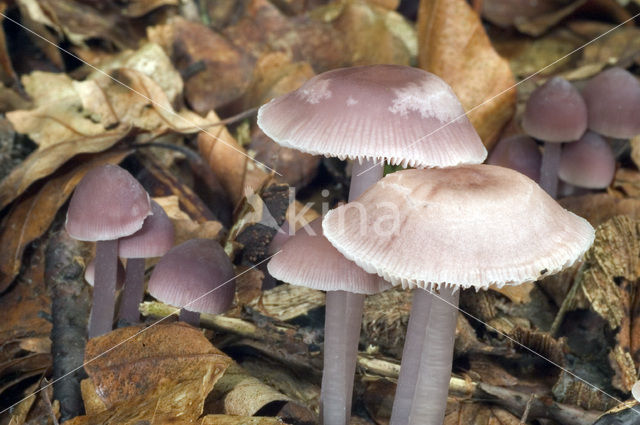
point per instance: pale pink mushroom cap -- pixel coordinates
(107, 204)
(311, 261)
(613, 101)
(519, 153)
(90, 274)
(399, 114)
(191, 270)
(153, 240)
(555, 112)
(473, 225)
(588, 163)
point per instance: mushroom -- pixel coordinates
(107, 204)
(371, 114)
(461, 227)
(90, 274)
(154, 239)
(308, 259)
(196, 276)
(555, 113)
(613, 101)
(519, 153)
(588, 163)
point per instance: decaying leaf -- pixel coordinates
(454, 45)
(570, 390)
(541, 343)
(539, 24)
(243, 394)
(635, 150)
(166, 370)
(185, 227)
(32, 215)
(478, 414)
(215, 71)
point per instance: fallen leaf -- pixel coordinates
(600, 207)
(539, 24)
(286, 302)
(635, 150)
(185, 227)
(454, 46)
(165, 370)
(137, 8)
(32, 215)
(478, 414)
(215, 71)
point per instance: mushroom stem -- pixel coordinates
(104, 289)
(133, 291)
(363, 175)
(411, 355)
(190, 317)
(343, 318)
(549, 168)
(432, 384)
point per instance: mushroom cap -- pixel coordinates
(399, 114)
(311, 261)
(107, 204)
(635, 391)
(154, 239)
(90, 274)
(555, 112)
(190, 270)
(613, 102)
(519, 153)
(473, 225)
(589, 162)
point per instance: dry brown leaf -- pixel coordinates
(184, 226)
(626, 181)
(32, 215)
(619, 47)
(239, 420)
(454, 46)
(150, 60)
(461, 412)
(519, 294)
(243, 394)
(538, 25)
(216, 72)
(635, 150)
(166, 370)
(80, 21)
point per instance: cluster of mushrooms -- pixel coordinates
(447, 223)
(574, 128)
(110, 207)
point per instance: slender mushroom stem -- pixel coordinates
(104, 289)
(190, 317)
(411, 355)
(133, 291)
(549, 168)
(343, 320)
(437, 358)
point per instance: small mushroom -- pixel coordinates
(154, 239)
(588, 163)
(519, 153)
(106, 205)
(555, 113)
(196, 276)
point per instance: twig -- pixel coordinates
(566, 303)
(71, 302)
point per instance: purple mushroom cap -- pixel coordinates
(154, 239)
(588, 163)
(519, 153)
(196, 275)
(555, 112)
(613, 101)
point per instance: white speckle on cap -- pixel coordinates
(431, 98)
(351, 101)
(315, 92)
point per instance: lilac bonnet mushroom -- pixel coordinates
(371, 114)
(308, 259)
(196, 276)
(90, 274)
(154, 239)
(588, 163)
(451, 219)
(519, 153)
(107, 204)
(613, 102)
(555, 113)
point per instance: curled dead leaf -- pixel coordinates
(454, 46)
